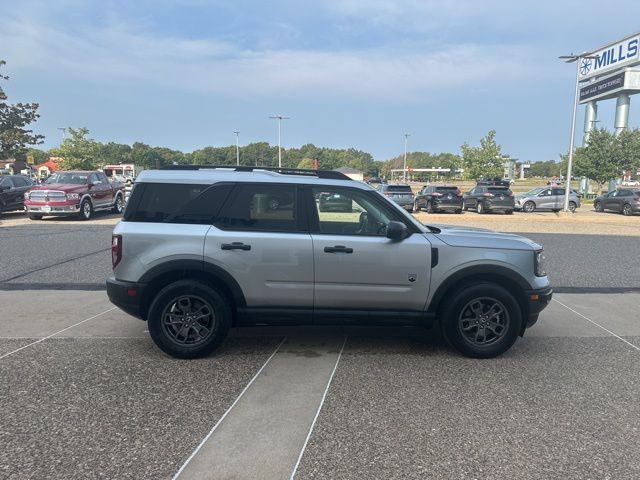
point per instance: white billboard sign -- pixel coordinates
(615, 55)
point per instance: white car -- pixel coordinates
(631, 183)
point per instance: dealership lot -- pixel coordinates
(89, 396)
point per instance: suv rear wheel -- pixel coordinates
(482, 321)
(188, 319)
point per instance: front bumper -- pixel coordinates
(59, 209)
(537, 300)
(127, 296)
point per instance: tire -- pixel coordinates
(35, 216)
(458, 210)
(529, 207)
(572, 207)
(86, 210)
(469, 307)
(627, 209)
(416, 207)
(508, 212)
(480, 208)
(465, 207)
(118, 205)
(179, 302)
(410, 210)
(430, 208)
(598, 207)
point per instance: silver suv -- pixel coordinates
(202, 249)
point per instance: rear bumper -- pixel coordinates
(127, 296)
(447, 204)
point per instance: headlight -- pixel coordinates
(540, 263)
(26, 195)
(72, 196)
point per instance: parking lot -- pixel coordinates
(87, 394)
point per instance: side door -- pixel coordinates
(610, 201)
(357, 268)
(622, 198)
(545, 200)
(97, 191)
(471, 200)
(261, 238)
(21, 185)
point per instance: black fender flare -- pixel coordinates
(206, 269)
(506, 277)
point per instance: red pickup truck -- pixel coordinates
(74, 193)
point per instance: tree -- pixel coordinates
(78, 152)
(14, 136)
(601, 159)
(629, 150)
(483, 161)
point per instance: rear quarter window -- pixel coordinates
(176, 203)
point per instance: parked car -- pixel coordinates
(12, 190)
(544, 198)
(74, 193)
(435, 198)
(399, 193)
(495, 182)
(334, 202)
(213, 259)
(623, 200)
(631, 183)
(487, 199)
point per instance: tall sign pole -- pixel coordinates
(279, 118)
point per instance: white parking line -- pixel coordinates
(597, 324)
(204, 440)
(56, 333)
(313, 424)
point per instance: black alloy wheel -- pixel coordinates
(627, 209)
(482, 321)
(189, 319)
(572, 207)
(430, 208)
(598, 207)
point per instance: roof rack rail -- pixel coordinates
(326, 174)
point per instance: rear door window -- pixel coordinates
(399, 189)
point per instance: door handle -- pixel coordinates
(235, 246)
(338, 249)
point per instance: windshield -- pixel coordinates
(68, 177)
(399, 188)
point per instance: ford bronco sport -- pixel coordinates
(201, 249)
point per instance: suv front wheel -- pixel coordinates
(482, 321)
(188, 319)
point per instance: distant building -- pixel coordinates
(352, 173)
(45, 169)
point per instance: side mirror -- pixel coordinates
(397, 230)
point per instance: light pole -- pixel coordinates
(237, 147)
(570, 59)
(280, 118)
(404, 170)
(63, 130)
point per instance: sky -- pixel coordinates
(348, 73)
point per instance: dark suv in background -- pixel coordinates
(623, 200)
(12, 190)
(486, 199)
(435, 198)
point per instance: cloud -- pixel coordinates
(114, 53)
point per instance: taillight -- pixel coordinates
(458, 193)
(116, 250)
(488, 194)
(436, 194)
